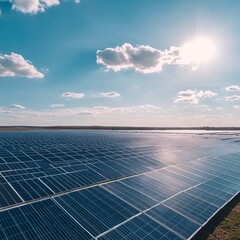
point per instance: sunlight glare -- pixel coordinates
(198, 51)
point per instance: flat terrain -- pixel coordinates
(22, 128)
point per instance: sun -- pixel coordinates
(198, 51)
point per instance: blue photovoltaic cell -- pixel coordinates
(178, 177)
(168, 181)
(125, 171)
(105, 170)
(151, 187)
(221, 186)
(130, 195)
(192, 207)
(234, 184)
(231, 177)
(219, 167)
(179, 170)
(8, 196)
(208, 197)
(141, 227)
(197, 172)
(173, 220)
(41, 220)
(134, 165)
(31, 189)
(64, 182)
(215, 191)
(96, 209)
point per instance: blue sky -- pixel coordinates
(106, 62)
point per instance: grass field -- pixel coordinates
(229, 228)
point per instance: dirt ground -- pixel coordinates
(229, 228)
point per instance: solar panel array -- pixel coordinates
(113, 184)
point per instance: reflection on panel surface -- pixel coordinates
(113, 184)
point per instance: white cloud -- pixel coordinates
(72, 95)
(209, 94)
(146, 59)
(16, 106)
(142, 58)
(206, 108)
(56, 105)
(237, 106)
(83, 113)
(188, 96)
(14, 110)
(101, 107)
(148, 107)
(193, 96)
(232, 88)
(15, 65)
(233, 98)
(5, 111)
(110, 94)
(130, 109)
(32, 6)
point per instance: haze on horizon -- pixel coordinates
(134, 63)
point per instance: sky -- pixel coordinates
(120, 63)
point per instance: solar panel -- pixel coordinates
(141, 227)
(96, 209)
(41, 220)
(130, 195)
(113, 184)
(192, 207)
(173, 220)
(8, 195)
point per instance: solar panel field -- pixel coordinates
(73, 184)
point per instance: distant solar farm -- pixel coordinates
(73, 184)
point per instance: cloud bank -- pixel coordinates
(193, 96)
(144, 58)
(14, 65)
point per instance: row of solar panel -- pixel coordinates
(55, 165)
(112, 211)
(169, 182)
(35, 161)
(69, 141)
